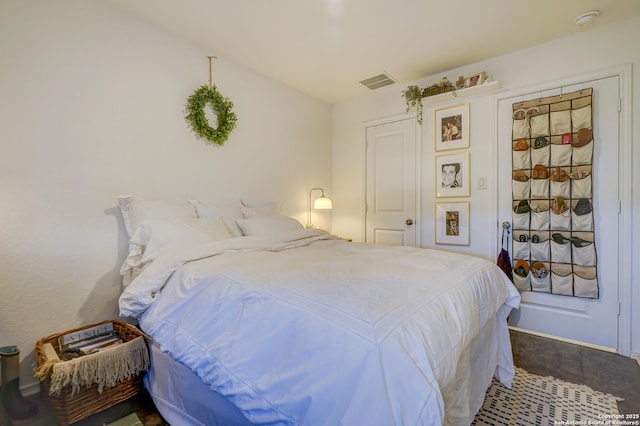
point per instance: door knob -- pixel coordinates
(409, 222)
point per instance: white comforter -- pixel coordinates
(303, 328)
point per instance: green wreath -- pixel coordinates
(227, 119)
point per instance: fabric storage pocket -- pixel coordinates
(541, 155)
(560, 252)
(581, 188)
(582, 222)
(561, 280)
(521, 128)
(560, 155)
(540, 220)
(560, 189)
(521, 160)
(583, 154)
(521, 220)
(585, 282)
(539, 125)
(542, 284)
(520, 244)
(585, 256)
(521, 190)
(560, 122)
(581, 118)
(539, 188)
(540, 251)
(522, 283)
(562, 221)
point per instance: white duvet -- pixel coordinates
(305, 329)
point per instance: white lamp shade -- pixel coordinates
(322, 203)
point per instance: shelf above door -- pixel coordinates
(488, 86)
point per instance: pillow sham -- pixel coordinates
(229, 212)
(267, 225)
(136, 210)
(262, 210)
(158, 235)
(154, 236)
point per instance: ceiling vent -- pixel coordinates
(378, 81)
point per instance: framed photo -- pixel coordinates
(475, 79)
(452, 223)
(452, 175)
(452, 127)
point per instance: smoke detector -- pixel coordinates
(586, 18)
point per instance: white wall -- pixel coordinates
(91, 106)
(585, 52)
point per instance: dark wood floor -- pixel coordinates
(142, 405)
(601, 371)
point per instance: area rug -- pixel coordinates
(536, 400)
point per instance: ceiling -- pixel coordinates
(324, 48)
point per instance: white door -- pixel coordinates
(391, 183)
(593, 321)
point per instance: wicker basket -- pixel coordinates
(436, 90)
(70, 408)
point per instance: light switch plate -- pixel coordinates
(482, 182)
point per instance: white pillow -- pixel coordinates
(229, 212)
(156, 235)
(136, 210)
(267, 225)
(270, 209)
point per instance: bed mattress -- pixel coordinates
(303, 328)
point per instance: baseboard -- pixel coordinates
(565, 340)
(30, 389)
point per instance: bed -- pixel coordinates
(271, 323)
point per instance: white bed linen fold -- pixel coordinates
(304, 328)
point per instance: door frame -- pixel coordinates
(624, 74)
(417, 225)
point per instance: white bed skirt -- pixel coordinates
(184, 400)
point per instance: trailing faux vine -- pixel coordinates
(413, 97)
(227, 119)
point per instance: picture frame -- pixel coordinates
(452, 223)
(475, 79)
(452, 175)
(452, 127)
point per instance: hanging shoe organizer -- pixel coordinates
(553, 228)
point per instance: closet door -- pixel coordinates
(593, 321)
(391, 183)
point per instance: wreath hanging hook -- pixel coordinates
(222, 106)
(210, 73)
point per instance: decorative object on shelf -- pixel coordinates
(476, 79)
(209, 96)
(443, 86)
(461, 82)
(413, 97)
(452, 175)
(322, 203)
(452, 223)
(452, 127)
(461, 92)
